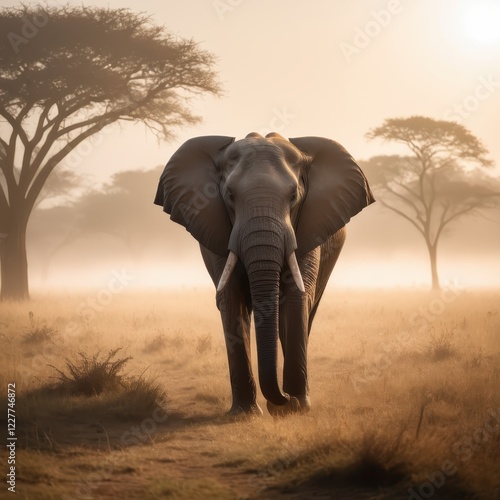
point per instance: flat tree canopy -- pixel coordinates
(66, 73)
(444, 178)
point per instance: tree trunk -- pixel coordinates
(434, 271)
(14, 263)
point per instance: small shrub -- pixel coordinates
(92, 389)
(440, 344)
(157, 343)
(141, 397)
(92, 375)
(476, 359)
(37, 333)
(374, 459)
(177, 341)
(204, 344)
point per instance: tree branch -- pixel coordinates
(29, 148)
(442, 225)
(17, 128)
(415, 149)
(421, 181)
(402, 214)
(30, 169)
(432, 199)
(116, 113)
(408, 190)
(470, 208)
(49, 166)
(7, 167)
(41, 128)
(408, 201)
(4, 204)
(5, 146)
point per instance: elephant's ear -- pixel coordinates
(189, 191)
(336, 191)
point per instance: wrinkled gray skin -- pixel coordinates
(263, 183)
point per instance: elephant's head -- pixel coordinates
(263, 202)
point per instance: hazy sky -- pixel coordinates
(326, 68)
(305, 68)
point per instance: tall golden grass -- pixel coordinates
(404, 388)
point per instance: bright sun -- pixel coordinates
(482, 21)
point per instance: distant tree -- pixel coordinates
(50, 230)
(442, 181)
(121, 209)
(66, 73)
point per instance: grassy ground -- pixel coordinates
(404, 387)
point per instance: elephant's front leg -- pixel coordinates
(294, 318)
(235, 314)
(295, 309)
(236, 323)
(235, 308)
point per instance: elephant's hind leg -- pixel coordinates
(330, 251)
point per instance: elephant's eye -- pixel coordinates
(293, 198)
(231, 196)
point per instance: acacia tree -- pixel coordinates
(442, 181)
(66, 73)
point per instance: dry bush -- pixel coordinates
(39, 334)
(41, 407)
(140, 397)
(36, 333)
(204, 344)
(156, 344)
(477, 359)
(92, 375)
(440, 345)
(177, 341)
(372, 459)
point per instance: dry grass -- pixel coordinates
(38, 333)
(441, 344)
(402, 390)
(91, 374)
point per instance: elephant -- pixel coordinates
(269, 215)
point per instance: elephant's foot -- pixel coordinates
(253, 410)
(305, 403)
(300, 404)
(293, 406)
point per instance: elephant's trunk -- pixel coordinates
(264, 286)
(262, 250)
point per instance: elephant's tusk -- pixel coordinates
(228, 269)
(294, 267)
